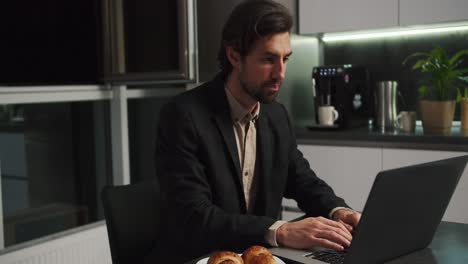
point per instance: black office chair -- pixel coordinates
(132, 220)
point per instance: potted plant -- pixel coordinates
(437, 94)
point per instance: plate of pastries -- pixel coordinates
(252, 255)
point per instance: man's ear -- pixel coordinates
(233, 57)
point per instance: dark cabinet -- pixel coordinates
(150, 41)
(89, 42)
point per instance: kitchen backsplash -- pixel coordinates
(384, 57)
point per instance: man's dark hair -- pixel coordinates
(249, 21)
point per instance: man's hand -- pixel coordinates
(314, 231)
(348, 217)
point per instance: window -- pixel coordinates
(54, 161)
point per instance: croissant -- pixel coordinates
(258, 255)
(225, 257)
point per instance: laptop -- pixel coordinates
(402, 212)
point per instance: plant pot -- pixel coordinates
(464, 114)
(437, 116)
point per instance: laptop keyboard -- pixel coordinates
(329, 256)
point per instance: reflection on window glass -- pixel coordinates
(143, 116)
(54, 160)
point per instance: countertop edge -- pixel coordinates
(383, 144)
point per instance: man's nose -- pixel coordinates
(279, 71)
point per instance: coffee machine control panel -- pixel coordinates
(328, 71)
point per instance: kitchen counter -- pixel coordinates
(370, 137)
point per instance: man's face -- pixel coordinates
(262, 70)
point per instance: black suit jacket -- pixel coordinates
(197, 164)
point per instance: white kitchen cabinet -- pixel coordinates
(336, 15)
(457, 210)
(287, 215)
(418, 12)
(323, 16)
(350, 171)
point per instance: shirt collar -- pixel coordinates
(238, 112)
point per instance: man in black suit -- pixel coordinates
(226, 153)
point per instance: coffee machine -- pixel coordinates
(348, 89)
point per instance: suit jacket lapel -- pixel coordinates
(225, 127)
(223, 120)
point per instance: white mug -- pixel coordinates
(407, 121)
(327, 115)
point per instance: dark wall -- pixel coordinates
(384, 58)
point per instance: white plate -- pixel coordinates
(205, 261)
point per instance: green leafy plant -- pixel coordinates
(462, 93)
(442, 74)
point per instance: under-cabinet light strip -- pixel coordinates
(334, 37)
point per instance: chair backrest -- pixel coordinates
(132, 220)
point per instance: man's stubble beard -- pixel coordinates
(258, 92)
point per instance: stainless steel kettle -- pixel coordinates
(385, 100)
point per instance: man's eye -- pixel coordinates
(270, 60)
(286, 59)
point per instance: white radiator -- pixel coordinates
(90, 246)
